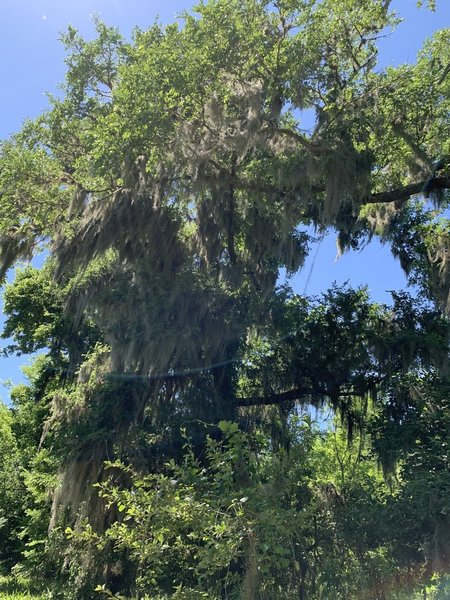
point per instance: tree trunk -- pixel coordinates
(250, 583)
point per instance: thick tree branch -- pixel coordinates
(404, 193)
(313, 148)
(400, 194)
(296, 394)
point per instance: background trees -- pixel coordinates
(171, 182)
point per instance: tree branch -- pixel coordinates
(404, 193)
(313, 148)
(401, 194)
(296, 394)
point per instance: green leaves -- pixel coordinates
(34, 193)
(11, 491)
(34, 308)
(172, 180)
(320, 516)
(431, 4)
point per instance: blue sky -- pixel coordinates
(32, 63)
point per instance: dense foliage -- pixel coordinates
(165, 446)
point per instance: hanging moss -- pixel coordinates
(15, 245)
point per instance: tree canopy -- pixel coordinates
(170, 182)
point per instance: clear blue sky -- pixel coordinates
(32, 63)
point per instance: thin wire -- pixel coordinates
(172, 373)
(319, 243)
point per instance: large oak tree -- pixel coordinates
(173, 179)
